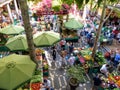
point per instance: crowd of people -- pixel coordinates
(4, 19)
(86, 38)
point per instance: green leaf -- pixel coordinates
(99, 2)
(56, 8)
(113, 0)
(86, 1)
(76, 72)
(69, 2)
(79, 3)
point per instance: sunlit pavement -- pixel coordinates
(59, 79)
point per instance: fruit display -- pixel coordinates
(86, 53)
(36, 82)
(99, 58)
(114, 79)
(35, 86)
(87, 57)
(118, 83)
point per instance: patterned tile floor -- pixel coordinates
(59, 79)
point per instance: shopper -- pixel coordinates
(71, 60)
(112, 55)
(117, 58)
(96, 82)
(54, 53)
(71, 48)
(46, 85)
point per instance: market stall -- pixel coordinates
(41, 72)
(91, 65)
(43, 63)
(70, 29)
(70, 35)
(112, 82)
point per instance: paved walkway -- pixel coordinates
(59, 79)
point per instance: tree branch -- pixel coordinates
(111, 11)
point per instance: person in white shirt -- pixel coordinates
(71, 60)
(46, 84)
(104, 69)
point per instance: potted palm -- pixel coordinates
(76, 74)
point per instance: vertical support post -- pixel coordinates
(16, 7)
(9, 11)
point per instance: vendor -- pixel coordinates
(46, 85)
(104, 69)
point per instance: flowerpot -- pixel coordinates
(73, 82)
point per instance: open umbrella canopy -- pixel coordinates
(15, 70)
(12, 29)
(46, 38)
(17, 43)
(73, 24)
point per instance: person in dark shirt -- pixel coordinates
(54, 54)
(71, 48)
(77, 61)
(97, 82)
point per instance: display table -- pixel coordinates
(74, 39)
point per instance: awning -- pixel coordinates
(3, 2)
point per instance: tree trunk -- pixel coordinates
(28, 29)
(99, 29)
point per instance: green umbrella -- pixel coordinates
(47, 38)
(15, 70)
(12, 29)
(17, 43)
(4, 49)
(73, 24)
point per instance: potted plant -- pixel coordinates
(76, 74)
